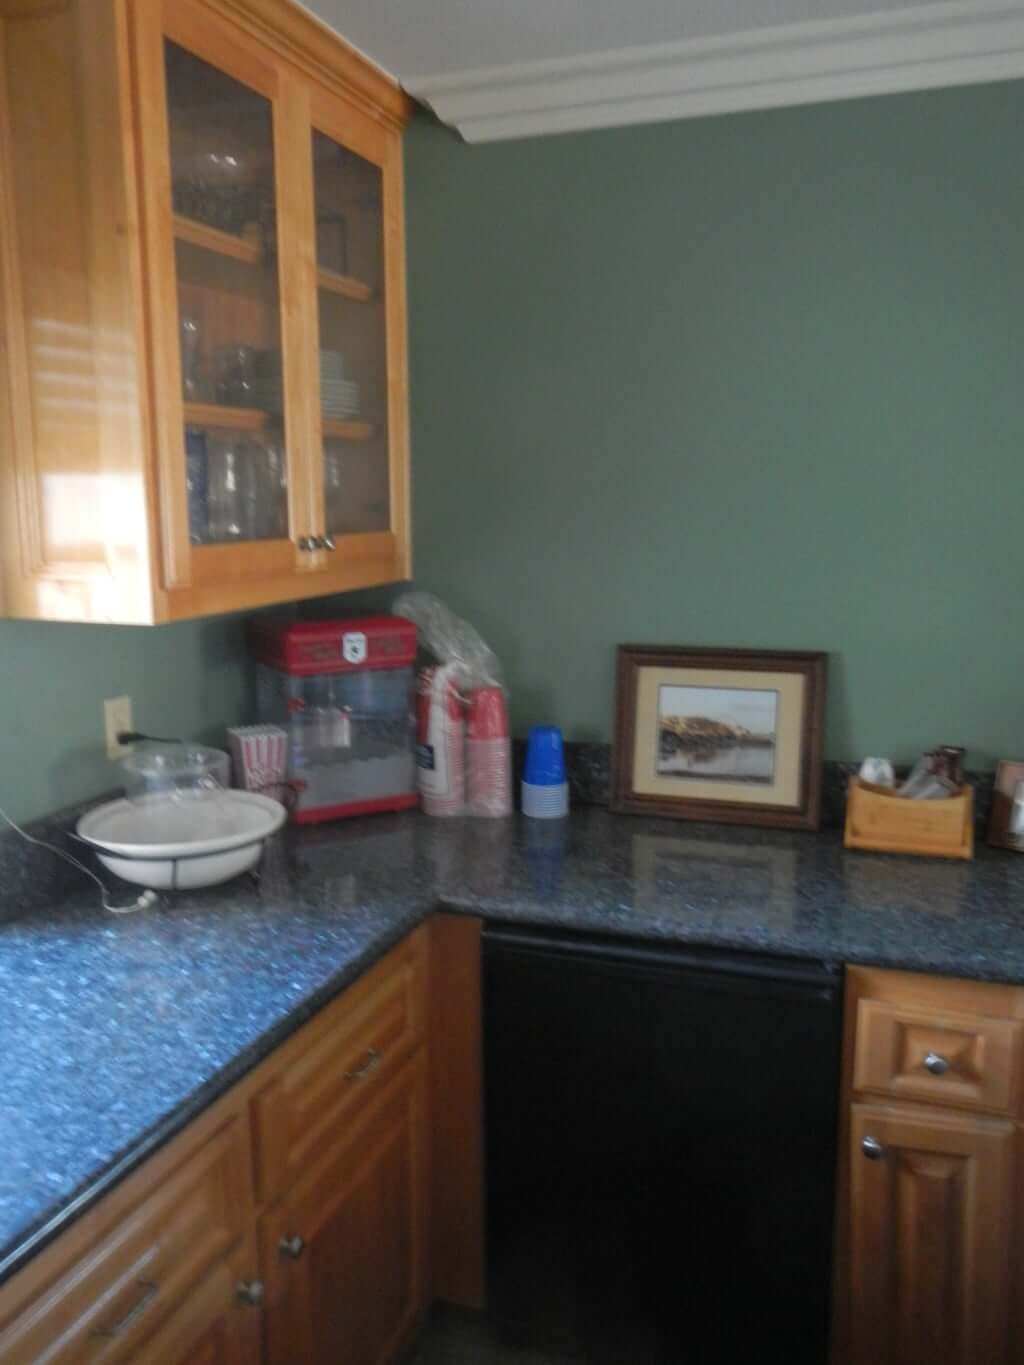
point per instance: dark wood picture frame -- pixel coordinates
(811, 665)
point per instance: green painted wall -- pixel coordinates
(183, 679)
(748, 380)
(191, 679)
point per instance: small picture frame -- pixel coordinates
(730, 735)
(1009, 771)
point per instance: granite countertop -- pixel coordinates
(116, 1031)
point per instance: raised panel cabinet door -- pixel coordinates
(225, 249)
(343, 1253)
(930, 1209)
(361, 365)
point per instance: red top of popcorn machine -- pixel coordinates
(339, 645)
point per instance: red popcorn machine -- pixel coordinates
(344, 691)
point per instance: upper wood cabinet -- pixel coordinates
(203, 359)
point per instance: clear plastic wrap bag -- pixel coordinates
(451, 639)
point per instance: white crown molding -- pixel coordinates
(912, 49)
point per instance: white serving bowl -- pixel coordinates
(180, 843)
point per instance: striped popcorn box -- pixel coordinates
(259, 755)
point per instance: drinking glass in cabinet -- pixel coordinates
(236, 384)
(237, 488)
(197, 485)
(191, 368)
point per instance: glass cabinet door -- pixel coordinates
(223, 200)
(350, 255)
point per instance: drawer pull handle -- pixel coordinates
(149, 1293)
(292, 1247)
(369, 1065)
(250, 1292)
(936, 1064)
(872, 1149)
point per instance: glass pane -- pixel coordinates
(353, 357)
(222, 181)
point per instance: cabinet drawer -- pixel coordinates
(939, 1057)
(350, 1052)
(107, 1302)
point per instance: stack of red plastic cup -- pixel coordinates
(488, 754)
(441, 737)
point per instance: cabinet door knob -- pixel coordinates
(307, 544)
(328, 543)
(936, 1064)
(872, 1149)
(250, 1292)
(292, 1246)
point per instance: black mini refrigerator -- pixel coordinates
(661, 1150)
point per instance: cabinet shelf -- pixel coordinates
(220, 415)
(346, 285)
(255, 419)
(213, 239)
(347, 430)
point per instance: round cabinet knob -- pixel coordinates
(872, 1149)
(328, 543)
(292, 1246)
(250, 1292)
(936, 1064)
(308, 544)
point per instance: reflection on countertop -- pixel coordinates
(118, 1030)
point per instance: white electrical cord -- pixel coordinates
(146, 899)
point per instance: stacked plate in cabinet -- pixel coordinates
(339, 397)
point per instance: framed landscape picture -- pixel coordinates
(719, 734)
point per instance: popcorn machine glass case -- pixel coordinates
(343, 689)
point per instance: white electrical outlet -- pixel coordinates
(117, 716)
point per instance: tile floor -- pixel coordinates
(462, 1339)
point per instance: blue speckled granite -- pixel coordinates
(31, 880)
(115, 1032)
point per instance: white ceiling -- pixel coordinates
(508, 68)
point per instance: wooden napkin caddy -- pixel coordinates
(882, 823)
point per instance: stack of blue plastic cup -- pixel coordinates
(545, 790)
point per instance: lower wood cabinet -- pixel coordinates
(289, 1222)
(163, 1253)
(931, 1201)
(343, 1254)
(929, 1236)
(309, 1215)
